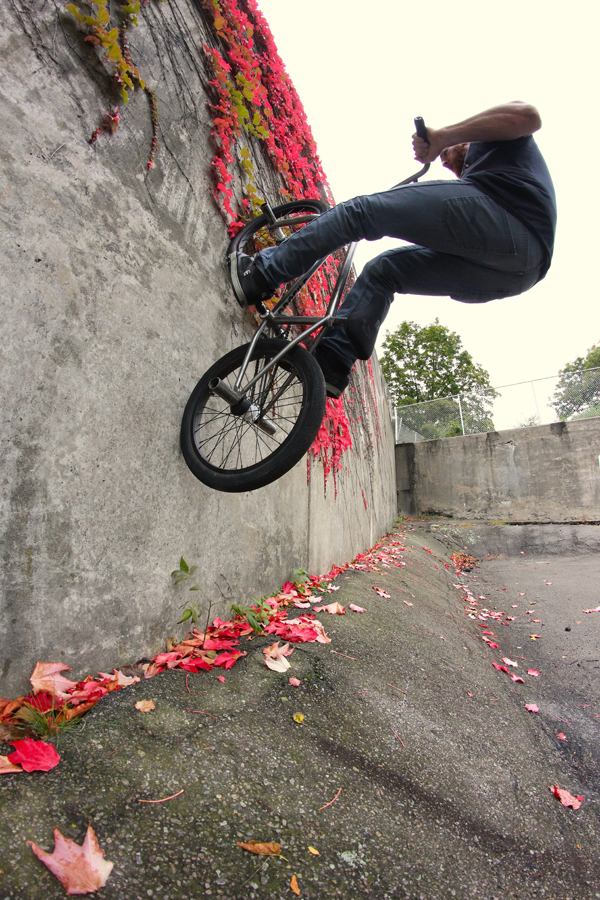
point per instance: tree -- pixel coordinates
(577, 394)
(430, 363)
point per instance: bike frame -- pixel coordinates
(275, 318)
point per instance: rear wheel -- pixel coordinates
(260, 233)
(265, 436)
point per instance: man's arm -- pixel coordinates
(500, 123)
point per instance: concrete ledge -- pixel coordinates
(548, 473)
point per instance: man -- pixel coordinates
(488, 235)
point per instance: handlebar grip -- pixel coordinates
(421, 128)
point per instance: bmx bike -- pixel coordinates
(255, 413)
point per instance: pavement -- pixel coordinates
(438, 774)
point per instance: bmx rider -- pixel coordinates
(487, 235)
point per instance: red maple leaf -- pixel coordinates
(34, 756)
(80, 869)
(565, 797)
(227, 660)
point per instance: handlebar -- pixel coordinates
(422, 133)
(421, 128)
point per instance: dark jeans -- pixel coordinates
(464, 246)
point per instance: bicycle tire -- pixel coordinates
(263, 221)
(222, 449)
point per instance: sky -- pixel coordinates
(364, 72)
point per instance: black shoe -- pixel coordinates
(335, 371)
(249, 284)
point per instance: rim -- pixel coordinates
(228, 443)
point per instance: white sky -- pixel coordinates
(364, 71)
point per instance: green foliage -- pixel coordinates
(258, 615)
(577, 394)
(192, 612)
(185, 574)
(45, 725)
(430, 363)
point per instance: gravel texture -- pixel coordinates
(444, 775)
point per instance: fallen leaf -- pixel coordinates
(533, 672)
(537, 621)
(277, 664)
(535, 637)
(532, 707)
(221, 678)
(500, 668)
(275, 656)
(314, 851)
(515, 677)
(509, 662)
(298, 717)
(274, 650)
(381, 593)
(597, 609)
(46, 677)
(295, 682)
(7, 767)
(407, 603)
(145, 705)
(334, 609)
(80, 869)
(262, 848)
(356, 608)
(294, 885)
(565, 797)
(34, 756)
(561, 736)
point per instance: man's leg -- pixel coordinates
(413, 270)
(449, 216)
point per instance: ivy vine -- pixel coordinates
(113, 44)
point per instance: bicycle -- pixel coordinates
(256, 412)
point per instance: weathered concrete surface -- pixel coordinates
(115, 301)
(484, 539)
(546, 473)
(456, 806)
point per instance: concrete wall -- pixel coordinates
(549, 473)
(114, 301)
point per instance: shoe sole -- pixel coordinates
(235, 280)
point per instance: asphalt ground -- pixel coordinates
(443, 773)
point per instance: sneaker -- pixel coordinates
(335, 371)
(249, 284)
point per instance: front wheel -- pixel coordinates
(266, 437)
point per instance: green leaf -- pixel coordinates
(114, 53)
(195, 587)
(103, 16)
(183, 565)
(263, 131)
(187, 615)
(257, 118)
(253, 621)
(74, 10)
(245, 153)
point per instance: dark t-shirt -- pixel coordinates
(515, 175)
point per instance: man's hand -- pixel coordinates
(427, 151)
(500, 123)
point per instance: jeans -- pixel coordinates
(463, 245)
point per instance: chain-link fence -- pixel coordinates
(572, 395)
